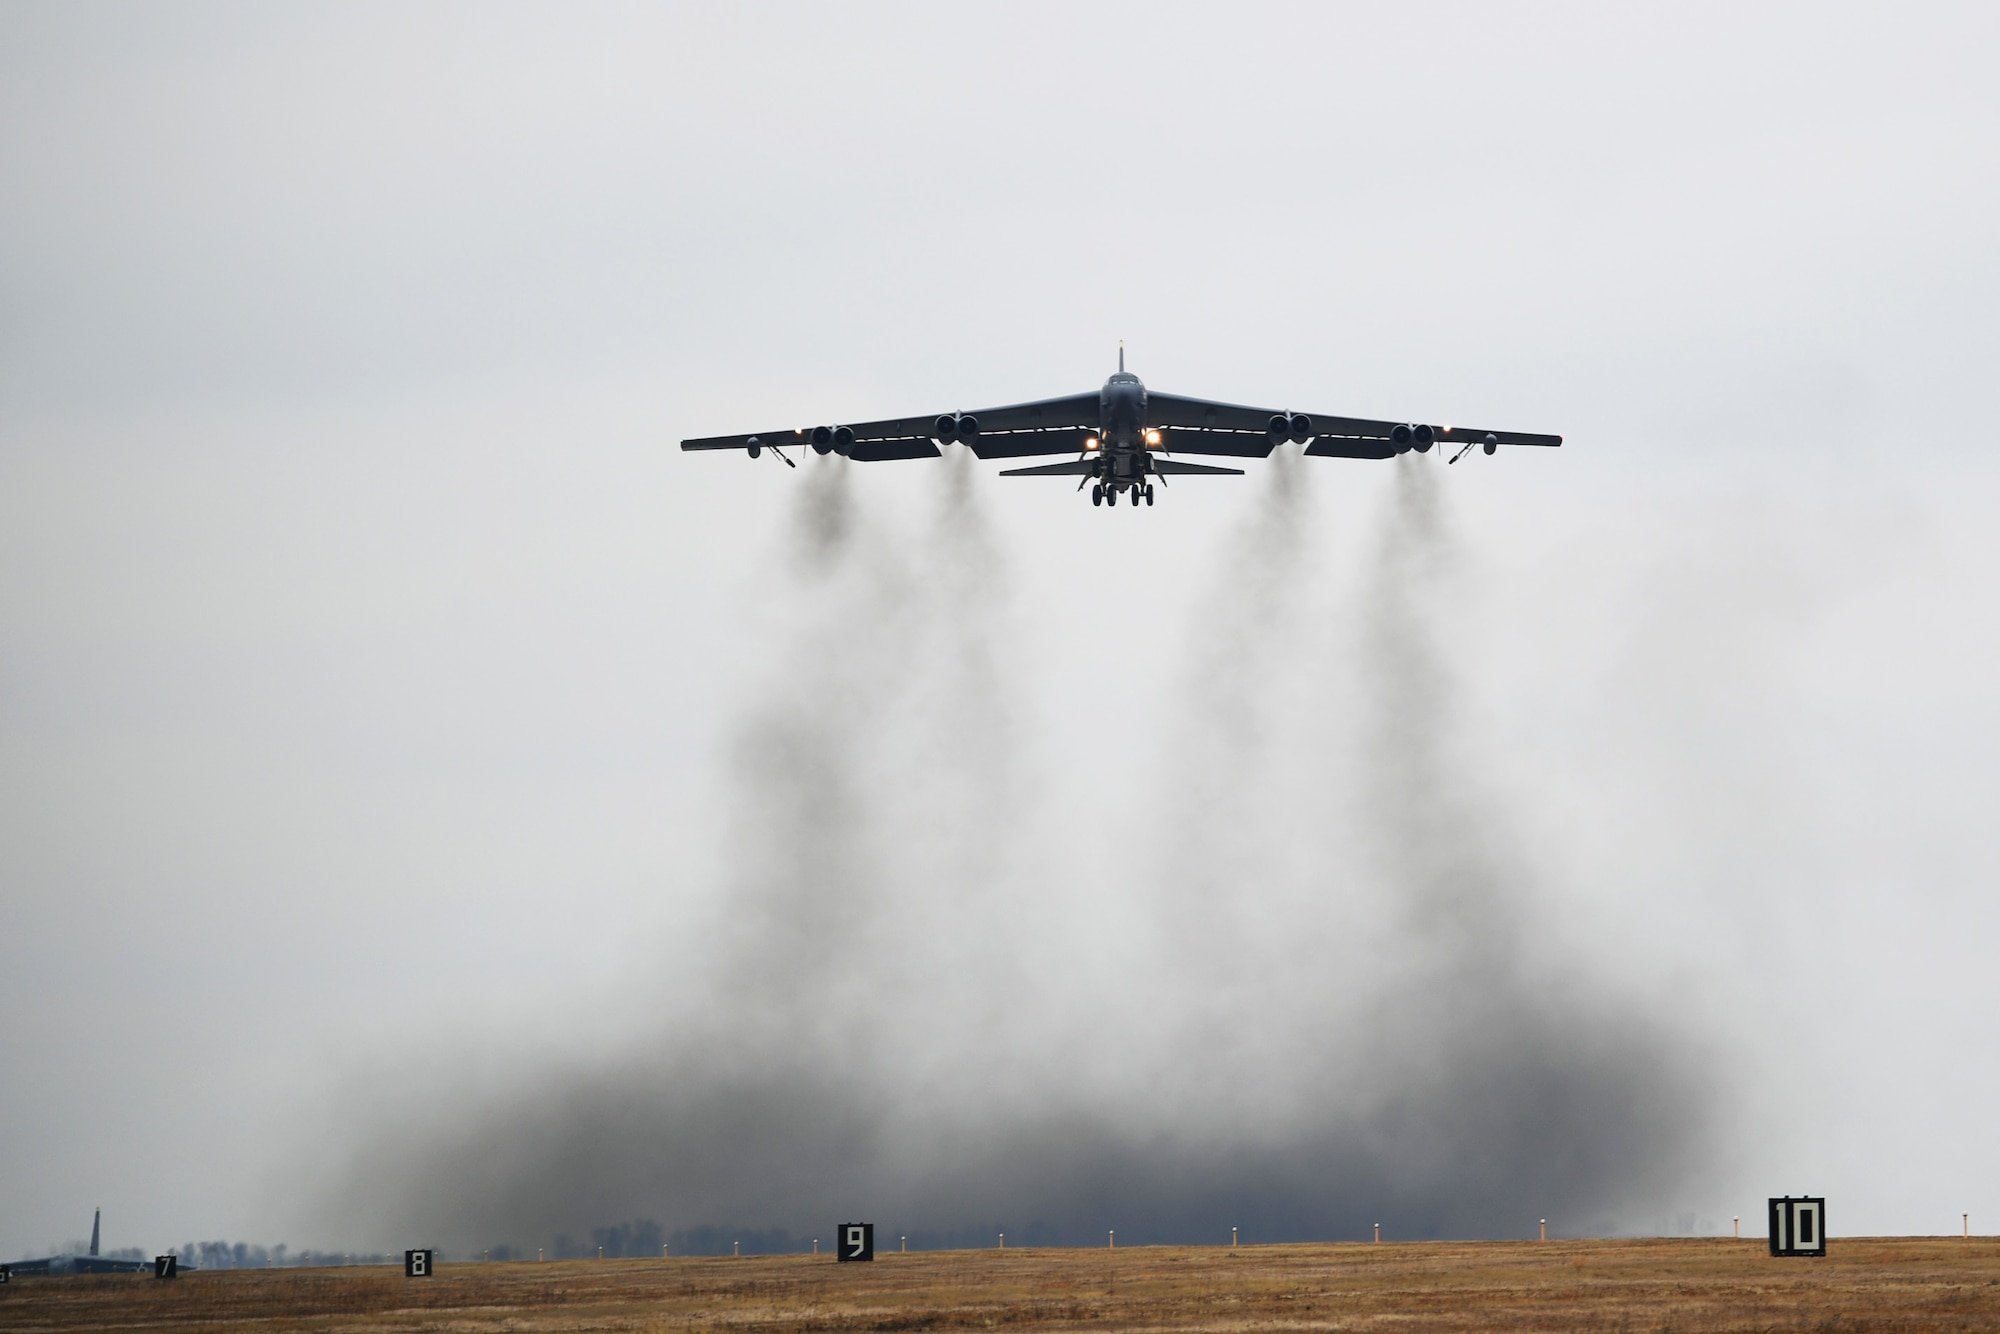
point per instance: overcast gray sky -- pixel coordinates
(375, 674)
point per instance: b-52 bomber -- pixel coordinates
(1123, 437)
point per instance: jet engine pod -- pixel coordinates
(945, 427)
(843, 440)
(755, 447)
(1302, 427)
(1491, 443)
(822, 439)
(1279, 427)
(1422, 437)
(1399, 436)
(968, 427)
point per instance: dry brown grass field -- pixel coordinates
(1681, 1285)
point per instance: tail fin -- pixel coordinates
(1121, 355)
(95, 1219)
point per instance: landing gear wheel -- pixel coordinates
(1097, 493)
(1149, 493)
(1111, 496)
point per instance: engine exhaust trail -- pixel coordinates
(1505, 1065)
(1366, 1029)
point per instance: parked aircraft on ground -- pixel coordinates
(92, 1263)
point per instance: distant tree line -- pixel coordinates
(642, 1238)
(243, 1255)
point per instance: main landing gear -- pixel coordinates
(1100, 494)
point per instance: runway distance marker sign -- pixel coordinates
(1798, 1225)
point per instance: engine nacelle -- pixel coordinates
(1400, 436)
(843, 440)
(822, 439)
(755, 447)
(944, 428)
(968, 428)
(1302, 427)
(1422, 437)
(1279, 427)
(1491, 443)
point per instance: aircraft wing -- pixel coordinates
(881, 449)
(1048, 426)
(80, 1264)
(1197, 426)
(897, 438)
(766, 438)
(1362, 438)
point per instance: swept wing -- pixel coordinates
(1198, 426)
(1015, 430)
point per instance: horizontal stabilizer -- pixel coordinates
(1175, 468)
(1074, 468)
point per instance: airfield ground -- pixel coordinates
(1682, 1285)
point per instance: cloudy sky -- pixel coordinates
(412, 761)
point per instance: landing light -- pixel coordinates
(1152, 437)
(1090, 443)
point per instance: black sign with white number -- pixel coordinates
(1798, 1225)
(5, 1273)
(417, 1264)
(166, 1266)
(857, 1241)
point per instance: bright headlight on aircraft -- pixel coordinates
(1152, 437)
(1090, 443)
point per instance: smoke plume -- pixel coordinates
(1322, 1004)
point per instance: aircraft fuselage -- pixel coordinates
(1122, 409)
(1122, 441)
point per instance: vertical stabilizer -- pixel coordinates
(95, 1218)
(1121, 354)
